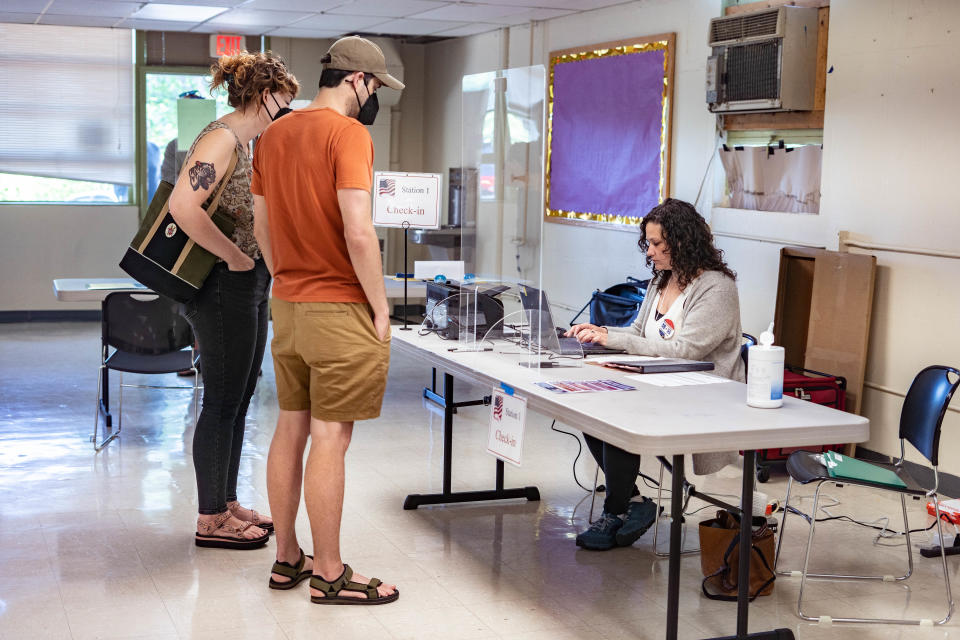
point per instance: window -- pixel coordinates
(772, 170)
(66, 114)
(163, 90)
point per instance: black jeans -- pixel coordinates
(620, 469)
(229, 319)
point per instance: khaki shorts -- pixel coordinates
(328, 359)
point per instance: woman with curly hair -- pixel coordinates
(229, 313)
(692, 310)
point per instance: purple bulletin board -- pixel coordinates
(608, 131)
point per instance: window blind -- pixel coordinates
(67, 110)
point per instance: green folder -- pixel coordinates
(840, 466)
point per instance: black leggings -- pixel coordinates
(620, 469)
(229, 319)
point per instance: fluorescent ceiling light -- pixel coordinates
(177, 12)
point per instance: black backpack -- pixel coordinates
(616, 306)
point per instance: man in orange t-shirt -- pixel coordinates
(312, 175)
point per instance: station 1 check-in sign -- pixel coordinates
(406, 199)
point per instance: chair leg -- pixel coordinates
(120, 407)
(593, 494)
(656, 528)
(943, 560)
(783, 528)
(906, 529)
(97, 446)
(806, 556)
(916, 622)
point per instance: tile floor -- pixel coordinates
(100, 546)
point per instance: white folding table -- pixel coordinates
(673, 421)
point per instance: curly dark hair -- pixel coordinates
(245, 75)
(689, 243)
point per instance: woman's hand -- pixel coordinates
(596, 335)
(243, 262)
(574, 331)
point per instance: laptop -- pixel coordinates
(535, 303)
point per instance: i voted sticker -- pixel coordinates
(667, 329)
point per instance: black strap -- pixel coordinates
(579, 313)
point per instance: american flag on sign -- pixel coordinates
(498, 408)
(387, 187)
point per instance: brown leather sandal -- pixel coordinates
(210, 534)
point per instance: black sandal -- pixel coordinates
(294, 572)
(205, 537)
(343, 583)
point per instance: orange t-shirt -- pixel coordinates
(298, 164)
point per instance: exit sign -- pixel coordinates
(226, 45)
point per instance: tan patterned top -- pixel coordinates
(236, 201)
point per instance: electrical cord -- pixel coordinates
(553, 427)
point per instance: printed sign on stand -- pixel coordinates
(508, 415)
(412, 198)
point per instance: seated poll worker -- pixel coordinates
(691, 311)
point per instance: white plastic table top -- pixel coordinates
(77, 289)
(651, 420)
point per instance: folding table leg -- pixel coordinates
(448, 496)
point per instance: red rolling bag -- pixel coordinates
(814, 386)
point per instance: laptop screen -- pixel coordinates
(543, 330)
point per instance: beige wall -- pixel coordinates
(42, 242)
(889, 166)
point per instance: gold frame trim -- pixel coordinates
(662, 42)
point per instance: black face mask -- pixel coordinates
(282, 111)
(368, 110)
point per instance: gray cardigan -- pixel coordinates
(710, 331)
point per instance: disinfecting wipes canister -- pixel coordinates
(765, 373)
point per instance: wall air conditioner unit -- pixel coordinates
(763, 61)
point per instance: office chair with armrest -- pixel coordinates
(149, 335)
(920, 418)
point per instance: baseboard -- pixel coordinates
(66, 315)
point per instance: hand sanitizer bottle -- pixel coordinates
(765, 373)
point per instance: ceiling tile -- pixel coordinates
(330, 22)
(206, 3)
(238, 29)
(410, 27)
(153, 25)
(469, 12)
(291, 32)
(92, 8)
(470, 30)
(255, 18)
(23, 6)
(310, 6)
(533, 14)
(176, 12)
(393, 9)
(19, 18)
(80, 21)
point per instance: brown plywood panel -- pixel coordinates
(794, 291)
(840, 311)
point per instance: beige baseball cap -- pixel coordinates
(354, 53)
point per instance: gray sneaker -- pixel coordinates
(640, 517)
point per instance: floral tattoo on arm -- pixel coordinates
(202, 175)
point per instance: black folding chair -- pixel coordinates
(149, 335)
